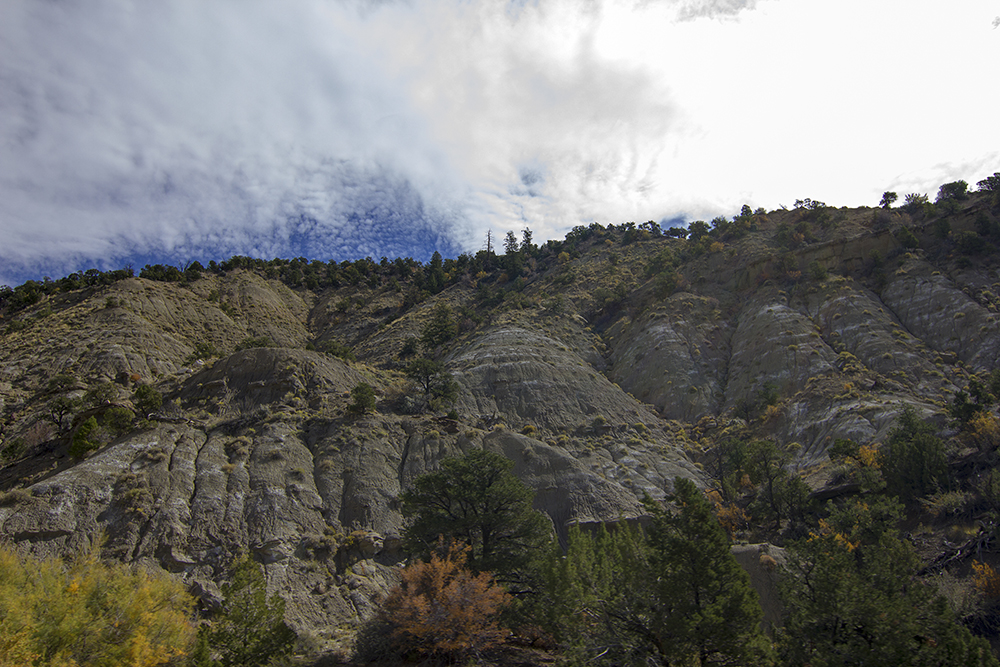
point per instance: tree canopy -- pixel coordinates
(853, 599)
(251, 630)
(705, 609)
(476, 500)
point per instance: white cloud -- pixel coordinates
(325, 127)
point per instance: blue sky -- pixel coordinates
(200, 129)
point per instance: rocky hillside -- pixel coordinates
(603, 365)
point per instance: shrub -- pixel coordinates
(60, 408)
(102, 394)
(441, 328)
(817, 271)
(852, 598)
(411, 345)
(915, 204)
(337, 349)
(907, 237)
(251, 631)
(117, 420)
(887, 199)
(202, 350)
(442, 609)
(942, 227)
(250, 343)
(954, 191)
(969, 242)
(84, 440)
(986, 580)
(147, 400)
(990, 183)
(363, 396)
(913, 459)
(62, 382)
(89, 614)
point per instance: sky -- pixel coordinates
(138, 132)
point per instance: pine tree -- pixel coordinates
(441, 328)
(595, 598)
(251, 631)
(853, 599)
(705, 609)
(478, 501)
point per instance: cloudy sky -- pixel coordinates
(136, 131)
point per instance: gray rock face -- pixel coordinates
(775, 344)
(676, 357)
(315, 501)
(940, 313)
(529, 378)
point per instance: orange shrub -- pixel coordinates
(441, 608)
(731, 517)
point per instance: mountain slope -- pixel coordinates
(604, 366)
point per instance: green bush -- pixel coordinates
(441, 328)
(102, 394)
(411, 345)
(337, 349)
(907, 237)
(363, 399)
(852, 598)
(969, 242)
(84, 440)
(916, 205)
(147, 400)
(955, 191)
(117, 420)
(202, 350)
(251, 631)
(250, 343)
(913, 459)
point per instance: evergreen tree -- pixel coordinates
(477, 500)
(441, 328)
(853, 599)
(913, 459)
(435, 274)
(423, 371)
(595, 599)
(363, 396)
(705, 610)
(251, 630)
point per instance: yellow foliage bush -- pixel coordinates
(986, 579)
(88, 614)
(731, 517)
(771, 412)
(868, 456)
(984, 430)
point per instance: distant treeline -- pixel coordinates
(424, 279)
(432, 277)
